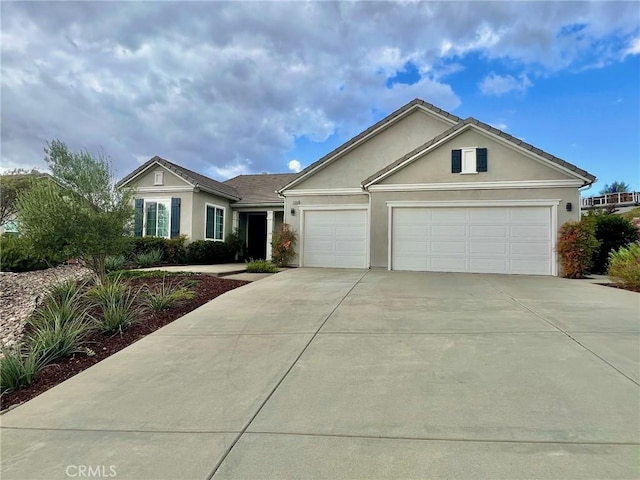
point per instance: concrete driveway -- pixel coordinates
(317, 373)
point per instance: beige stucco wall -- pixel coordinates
(379, 209)
(504, 163)
(186, 202)
(200, 199)
(170, 179)
(379, 151)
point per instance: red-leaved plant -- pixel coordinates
(284, 239)
(576, 245)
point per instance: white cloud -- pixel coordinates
(633, 48)
(500, 126)
(227, 90)
(294, 166)
(494, 84)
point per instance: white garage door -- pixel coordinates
(476, 239)
(335, 238)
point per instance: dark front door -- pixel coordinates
(257, 235)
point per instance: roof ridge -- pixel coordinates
(484, 126)
(337, 151)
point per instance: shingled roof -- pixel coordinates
(194, 178)
(412, 105)
(472, 121)
(261, 188)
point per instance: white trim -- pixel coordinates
(163, 188)
(504, 141)
(156, 163)
(503, 184)
(551, 203)
(345, 206)
(476, 203)
(356, 206)
(325, 191)
(224, 221)
(269, 235)
(373, 133)
(276, 207)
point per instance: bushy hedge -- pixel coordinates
(173, 250)
(205, 252)
(613, 232)
(17, 256)
(576, 247)
(624, 265)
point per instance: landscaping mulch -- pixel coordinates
(206, 287)
(622, 287)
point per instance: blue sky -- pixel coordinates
(227, 88)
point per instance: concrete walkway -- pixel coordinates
(219, 269)
(317, 373)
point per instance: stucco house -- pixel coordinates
(422, 189)
(425, 190)
(171, 200)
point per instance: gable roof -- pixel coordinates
(467, 123)
(261, 188)
(415, 104)
(194, 178)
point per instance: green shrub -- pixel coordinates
(59, 328)
(261, 266)
(282, 245)
(149, 259)
(114, 263)
(613, 232)
(624, 265)
(16, 255)
(19, 366)
(173, 249)
(166, 295)
(206, 252)
(576, 245)
(235, 243)
(117, 306)
(65, 292)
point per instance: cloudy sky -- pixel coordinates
(245, 87)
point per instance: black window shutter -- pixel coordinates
(175, 217)
(138, 218)
(481, 159)
(456, 161)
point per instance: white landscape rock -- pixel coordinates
(21, 292)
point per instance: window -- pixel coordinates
(158, 178)
(11, 228)
(469, 160)
(157, 218)
(214, 222)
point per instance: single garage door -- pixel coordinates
(335, 238)
(472, 239)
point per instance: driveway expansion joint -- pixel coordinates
(567, 334)
(248, 424)
(443, 439)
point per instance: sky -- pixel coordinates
(229, 88)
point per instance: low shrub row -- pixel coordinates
(261, 266)
(72, 312)
(16, 255)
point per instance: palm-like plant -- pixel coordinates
(615, 187)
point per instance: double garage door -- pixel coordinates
(439, 239)
(472, 239)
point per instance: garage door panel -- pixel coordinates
(472, 239)
(448, 230)
(335, 238)
(488, 231)
(488, 215)
(482, 248)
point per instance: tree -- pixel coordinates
(12, 183)
(615, 187)
(82, 214)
